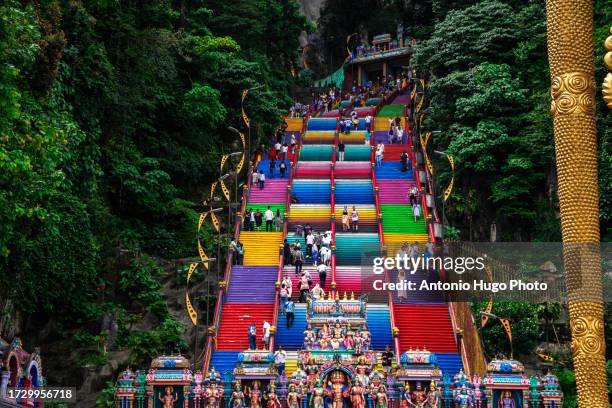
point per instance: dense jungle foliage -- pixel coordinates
(113, 115)
(489, 98)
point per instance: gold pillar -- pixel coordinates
(570, 54)
(385, 69)
(359, 74)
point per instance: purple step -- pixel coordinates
(252, 284)
(394, 191)
(383, 136)
(274, 192)
(402, 100)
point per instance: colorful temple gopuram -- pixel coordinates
(19, 370)
(332, 345)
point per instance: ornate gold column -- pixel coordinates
(570, 54)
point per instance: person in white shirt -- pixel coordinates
(416, 211)
(379, 155)
(284, 151)
(368, 121)
(279, 360)
(400, 135)
(322, 269)
(255, 177)
(269, 217)
(277, 147)
(325, 255)
(266, 333)
(262, 180)
(327, 240)
(289, 285)
(317, 292)
(309, 242)
(355, 219)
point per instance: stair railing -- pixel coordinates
(281, 257)
(223, 285)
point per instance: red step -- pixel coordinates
(236, 318)
(425, 326)
(393, 152)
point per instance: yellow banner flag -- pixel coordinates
(215, 222)
(225, 190)
(427, 136)
(212, 191)
(423, 146)
(449, 188)
(203, 255)
(506, 324)
(245, 118)
(192, 267)
(202, 219)
(422, 116)
(193, 315)
(239, 167)
(484, 318)
(223, 160)
(243, 140)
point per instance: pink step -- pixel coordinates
(394, 191)
(274, 192)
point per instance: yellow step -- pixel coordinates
(307, 212)
(261, 248)
(393, 242)
(366, 212)
(294, 124)
(320, 136)
(355, 137)
(382, 123)
(291, 363)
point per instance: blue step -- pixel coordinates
(312, 191)
(392, 171)
(449, 363)
(264, 165)
(224, 360)
(379, 325)
(354, 191)
(293, 338)
(322, 124)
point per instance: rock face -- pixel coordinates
(312, 8)
(313, 55)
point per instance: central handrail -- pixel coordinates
(281, 257)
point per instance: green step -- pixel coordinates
(392, 110)
(398, 218)
(316, 152)
(263, 207)
(357, 153)
(373, 101)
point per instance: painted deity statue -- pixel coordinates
(273, 401)
(365, 337)
(255, 395)
(358, 395)
(310, 338)
(349, 341)
(463, 398)
(317, 399)
(433, 396)
(237, 398)
(169, 399)
(293, 397)
(419, 396)
(358, 342)
(361, 375)
(406, 395)
(212, 395)
(381, 397)
(506, 401)
(335, 343)
(338, 332)
(324, 338)
(337, 394)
